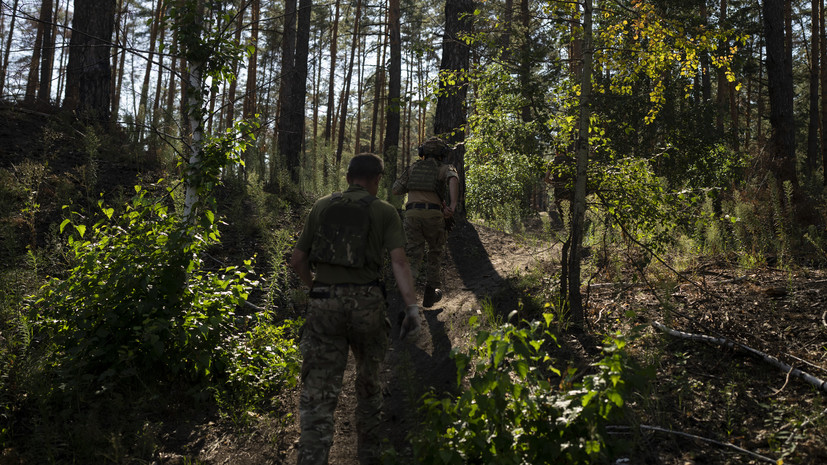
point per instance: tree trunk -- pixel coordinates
(391, 148)
(812, 129)
(331, 89)
(360, 72)
(823, 53)
(34, 68)
(5, 66)
(249, 108)
(294, 85)
(722, 98)
(231, 93)
(450, 117)
(88, 71)
(582, 154)
(346, 89)
(780, 89)
(62, 60)
(153, 35)
(44, 91)
(378, 85)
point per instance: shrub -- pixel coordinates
(137, 300)
(511, 412)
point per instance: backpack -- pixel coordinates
(342, 236)
(424, 177)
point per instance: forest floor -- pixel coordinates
(714, 392)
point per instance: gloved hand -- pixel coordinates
(410, 322)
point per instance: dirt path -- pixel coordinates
(477, 265)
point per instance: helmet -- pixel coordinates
(434, 147)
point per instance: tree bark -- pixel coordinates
(5, 67)
(44, 91)
(823, 126)
(249, 108)
(780, 89)
(451, 117)
(346, 89)
(331, 89)
(391, 148)
(153, 35)
(294, 85)
(233, 86)
(88, 71)
(33, 80)
(812, 129)
(578, 206)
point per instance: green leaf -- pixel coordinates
(64, 223)
(81, 229)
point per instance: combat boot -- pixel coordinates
(432, 296)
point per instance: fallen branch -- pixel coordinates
(726, 445)
(814, 381)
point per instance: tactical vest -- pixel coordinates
(424, 176)
(342, 236)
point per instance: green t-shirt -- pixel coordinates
(385, 234)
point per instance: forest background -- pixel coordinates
(158, 158)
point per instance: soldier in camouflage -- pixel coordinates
(433, 191)
(347, 308)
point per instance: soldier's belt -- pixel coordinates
(423, 206)
(326, 291)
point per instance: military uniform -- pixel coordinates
(425, 223)
(347, 310)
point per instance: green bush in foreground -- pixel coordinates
(511, 413)
(138, 305)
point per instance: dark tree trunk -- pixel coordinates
(5, 66)
(451, 113)
(249, 108)
(812, 129)
(88, 71)
(233, 86)
(331, 106)
(44, 90)
(391, 148)
(780, 89)
(823, 53)
(291, 117)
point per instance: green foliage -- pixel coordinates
(138, 301)
(503, 161)
(511, 413)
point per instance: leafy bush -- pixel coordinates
(138, 302)
(511, 413)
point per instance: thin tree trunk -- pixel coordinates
(379, 84)
(120, 51)
(5, 67)
(582, 154)
(346, 89)
(812, 130)
(294, 82)
(153, 35)
(722, 97)
(823, 53)
(34, 67)
(62, 60)
(360, 65)
(231, 93)
(249, 108)
(331, 89)
(44, 91)
(391, 147)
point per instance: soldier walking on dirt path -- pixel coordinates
(344, 238)
(433, 190)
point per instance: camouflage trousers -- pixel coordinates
(351, 318)
(421, 233)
